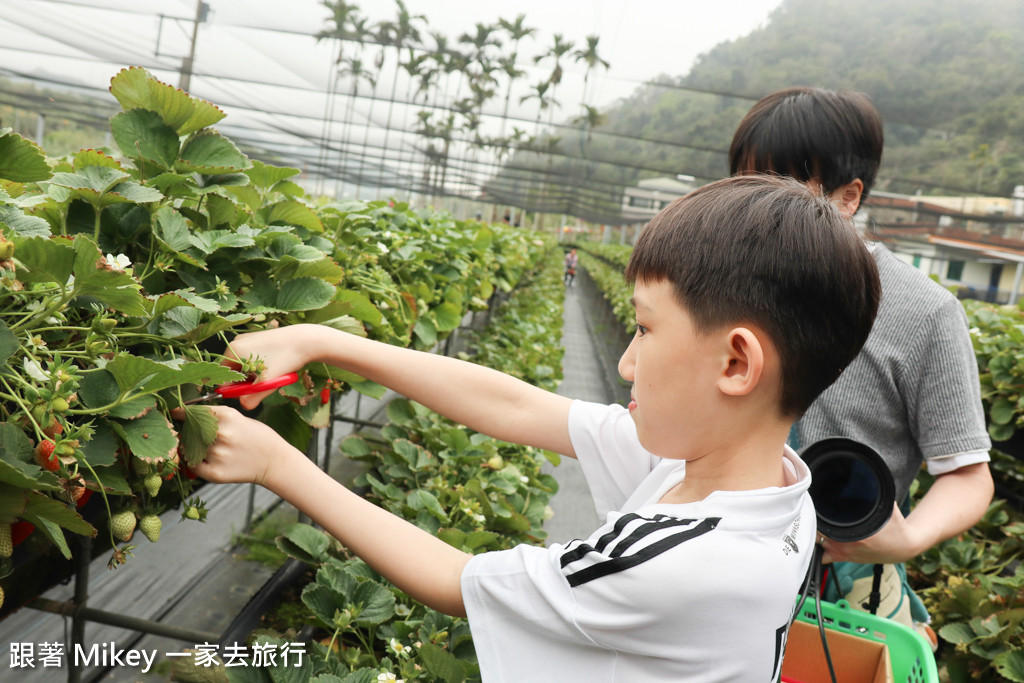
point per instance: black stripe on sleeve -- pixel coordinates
(619, 562)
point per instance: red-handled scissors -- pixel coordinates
(246, 387)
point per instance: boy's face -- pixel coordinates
(674, 371)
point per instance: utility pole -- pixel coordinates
(186, 64)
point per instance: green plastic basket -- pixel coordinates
(910, 654)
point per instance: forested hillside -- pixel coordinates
(947, 76)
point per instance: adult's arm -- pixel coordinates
(954, 503)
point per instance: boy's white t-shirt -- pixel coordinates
(661, 592)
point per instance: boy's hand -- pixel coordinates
(282, 350)
(245, 450)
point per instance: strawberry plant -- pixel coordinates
(603, 266)
(125, 271)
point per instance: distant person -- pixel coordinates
(693, 477)
(913, 393)
(572, 260)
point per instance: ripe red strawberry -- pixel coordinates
(21, 530)
(54, 430)
(150, 526)
(45, 457)
(122, 525)
(6, 542)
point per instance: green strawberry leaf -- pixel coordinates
(43, 507)
(9, 344)
(134, 373)
(135, 87)
(264, 177)
(198, 431)
(1010, 665)
(1003, 411)
(134, 408)
(292, 212)
(17, 466)
(324, 268)
(20, 224)
(141, 134)
(93, 277)
(447, 316)
(150, 438)
(350, 302)
(441, 664)
(303, 294)
(209, 153)
(101, 449)
(420, 499)
(42, 259)
(305, 543)
(21, 160)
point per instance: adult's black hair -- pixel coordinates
(811, 134)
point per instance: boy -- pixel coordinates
(912, 394)
(742, 320)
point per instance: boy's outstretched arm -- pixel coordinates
(423, 566)
(483, 399)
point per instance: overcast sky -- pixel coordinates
(257, 60)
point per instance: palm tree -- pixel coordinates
(544, 101)
(589, 56)
(516, 30)
(343, 15)
(378, 65)
(555, 52)
(397, 34)
(353, 68)
(480, 73)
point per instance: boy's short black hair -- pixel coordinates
(811, 134)
(768, 251)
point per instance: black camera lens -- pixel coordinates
(852, 489)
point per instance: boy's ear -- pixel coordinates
(847, 196)
(744, 363)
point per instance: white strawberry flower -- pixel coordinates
(35, 371)
(119, 262)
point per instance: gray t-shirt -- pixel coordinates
(912, 393)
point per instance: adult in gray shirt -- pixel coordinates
(912, 394)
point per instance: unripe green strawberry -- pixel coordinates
(152, 483)
(39, 414)
(59, 405)
(6, 249)
(122, 525)
(6, 544)
(1, 596)
(192, 512)
(150, 526)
